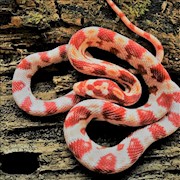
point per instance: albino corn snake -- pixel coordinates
(160, 114)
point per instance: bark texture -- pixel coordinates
(34, 147)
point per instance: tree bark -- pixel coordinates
(34, 147)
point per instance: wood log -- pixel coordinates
(34, 147)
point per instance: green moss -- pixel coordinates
(34, 18)
(134, 8)
(22, 1)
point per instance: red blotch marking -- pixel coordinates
(121, 14)
(26, 105)
(75, 99)
(176, 97)
(24, 64)
(98, 93)
(126, 77)
(160, 47)
(159, 73)
(51, 107)
(135, 149)
(17, 86)
(80, 88)
(114, 50)
(78, 113)
(106, 35)
(146, 117)
(44, 56)
(83, 131)
(153, 89)
(131, 26)
(147, 35)
(92, 68)
(113, 112)
(165, 100)
(62, 51)
(79, 64)
(157, 131)
(77, 39)
(141, 69)
(111, 4)
(80, 147)
(90, 87)
(89, 43)
(131, 99)
(99, 82)
(120, 147)
(97, 69)
(29, 76)
(107, 163)
(174, 118)
(111, 85)
(113, 97)
(100, 70)
(100, 43)
(147, 105)
(135, 49)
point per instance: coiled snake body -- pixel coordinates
(160, 115)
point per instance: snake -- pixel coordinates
(106, 101)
